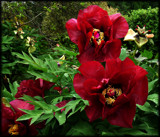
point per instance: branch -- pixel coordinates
(32, 19)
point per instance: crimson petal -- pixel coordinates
(92, 69)
(120, 26)
(94, 111)
(89, 84)
(124, 115)
(73, 30)
(19, 104)
(96, 16)
(140, 91)
(112, 49)
(78, 86)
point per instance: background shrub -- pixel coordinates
(141, 17)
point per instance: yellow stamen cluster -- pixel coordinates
(110, 94)
(13, 130)
(100, 38)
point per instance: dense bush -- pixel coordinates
(124, 7)
(148, 17)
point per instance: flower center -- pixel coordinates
(110, 94)
(13, 130)
(97, 35)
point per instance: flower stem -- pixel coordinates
(134, 53)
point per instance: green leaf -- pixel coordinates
(61, 117)
(7, 94)
(151, 84)
(71, 105)
(32, 112)
(6, 71)
(65, 51)
(123, 54)
(24, 117)
(7, 39)
(81, 128)
(13, 88)
(148, 108)
(35, 117)
(49, 119)
(153, 98)
(45, 117)
(147, 54)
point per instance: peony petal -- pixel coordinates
(5, 126)
(120, 26)
(86, 56)
(112, 67)
(78, 86)
(89, 84)
(92, 69)
(127, 65)
(73, 30)
(123, 116)
(19, 104)
(139, 91)
(107, 110)
(7, 112)
(96, 16)
(113, 49)
(95, 111)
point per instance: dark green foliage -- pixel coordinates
(126, 6)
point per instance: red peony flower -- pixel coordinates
(9, 124)
(97, 34)
(33, 87)
(113, 91)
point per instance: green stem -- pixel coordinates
(70, 77)
(134, 53)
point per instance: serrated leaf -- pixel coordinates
(123, 54)
(148, 108)
(147, 54)
(153, 98)
(151, 84)
(81, 128)
(24, 117)
(61, 117)
(13, 88)
(32, 112)
(35, 117)
(38, 61)
(7, 94)
(29, 59)
(72, 105)
(45, 117)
